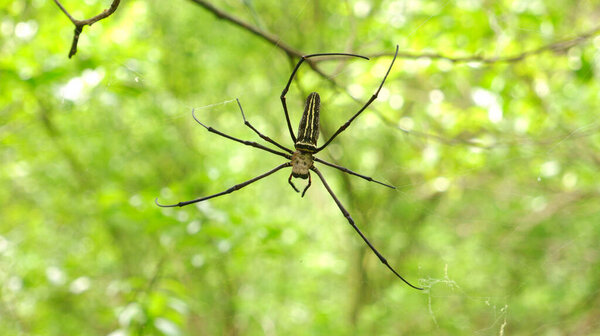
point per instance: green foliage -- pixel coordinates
(496, 165)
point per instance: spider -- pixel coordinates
(302, 159)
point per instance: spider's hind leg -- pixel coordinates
(351, 222)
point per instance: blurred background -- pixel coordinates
(487, 124)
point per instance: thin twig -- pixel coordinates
(271, 38)
(559, 46)
(79, 24)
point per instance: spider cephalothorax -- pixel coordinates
(302, 159)
(301, 163)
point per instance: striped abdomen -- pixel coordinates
(308, 131)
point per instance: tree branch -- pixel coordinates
(79, 24)
(292, 52)
(273, 39)
(556, 47)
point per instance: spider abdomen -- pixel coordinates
(308, 131)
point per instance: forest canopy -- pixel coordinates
(487, 126)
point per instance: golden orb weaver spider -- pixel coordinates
(302, 159)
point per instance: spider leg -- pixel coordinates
(264, 137)
(296, 189)
(346, 170)
(287, 87)
(228, 191)
(308, 185)
(351, 221)
(373, 97)
(292, 183)
(247, 143)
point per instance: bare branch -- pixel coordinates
(559, 46)
(79, 24)
(273, 39)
